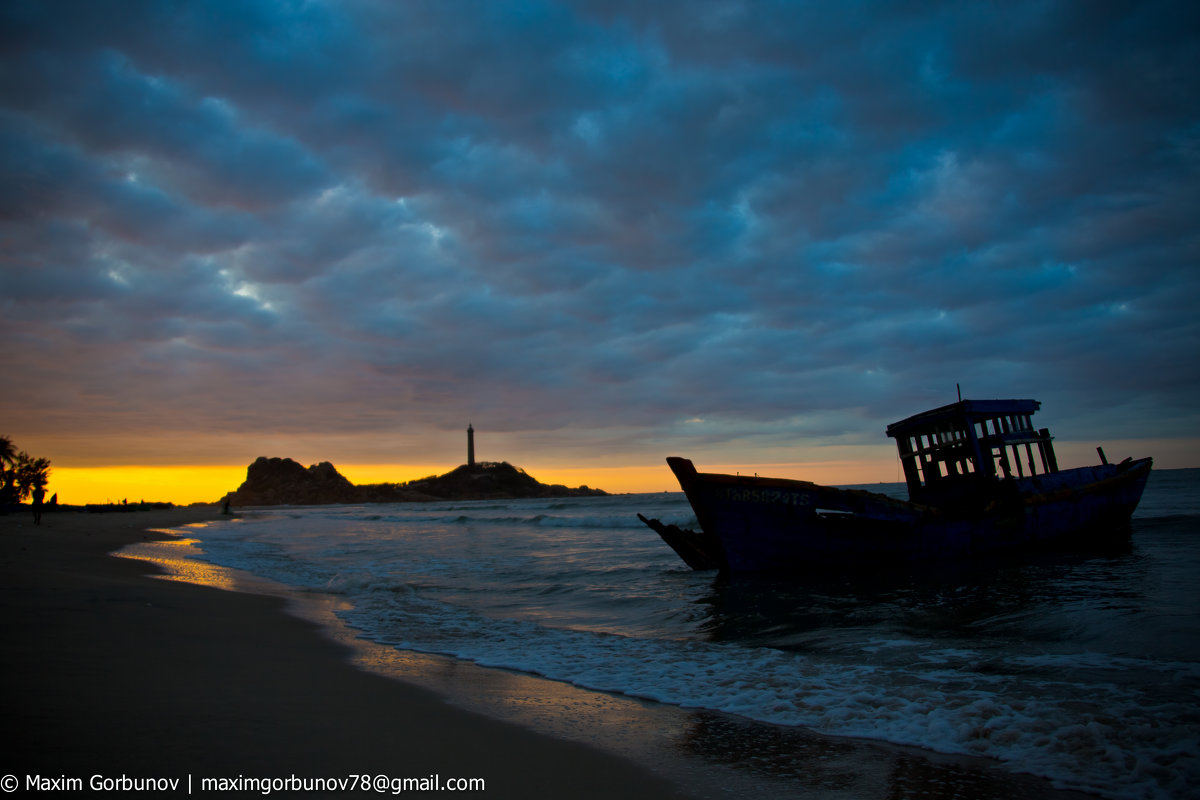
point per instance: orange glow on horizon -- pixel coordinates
(182, 485)
(615, 480)
(187, 484)
(658, 477)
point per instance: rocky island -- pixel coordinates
(282, 481)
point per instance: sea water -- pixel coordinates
(1083, 668)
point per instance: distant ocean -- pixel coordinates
(1084, 669)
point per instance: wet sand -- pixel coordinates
(112, 672)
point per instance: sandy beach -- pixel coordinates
(109, 672)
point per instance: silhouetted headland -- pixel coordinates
(282, 481)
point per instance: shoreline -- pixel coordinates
(594, 738)
(115, 673)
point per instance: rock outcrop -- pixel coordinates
(489, 480)
(282, 481)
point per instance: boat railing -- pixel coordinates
(1018, 444)
(1012, 438)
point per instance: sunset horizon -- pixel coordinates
(184, 484)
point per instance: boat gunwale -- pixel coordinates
(790, 483)
(1028, 493)
(1126, 471)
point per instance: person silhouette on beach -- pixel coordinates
(39, 494)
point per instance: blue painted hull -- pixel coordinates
(755, 524)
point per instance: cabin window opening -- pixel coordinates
(930, 471)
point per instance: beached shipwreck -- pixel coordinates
(981, 481)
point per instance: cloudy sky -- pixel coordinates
(602, 232)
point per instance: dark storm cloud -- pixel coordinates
(760, 218)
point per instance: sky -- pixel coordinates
(602, 233)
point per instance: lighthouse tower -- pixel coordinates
(470, 445)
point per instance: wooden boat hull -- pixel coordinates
(752, 524)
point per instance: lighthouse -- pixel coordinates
(470, 445)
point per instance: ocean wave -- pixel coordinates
(1082, 737)
(1040, 666)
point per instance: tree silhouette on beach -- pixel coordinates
(8, 460)
(21, 473)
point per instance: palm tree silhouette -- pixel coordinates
(8, 473)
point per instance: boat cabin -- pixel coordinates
(968, 444)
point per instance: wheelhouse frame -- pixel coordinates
(970, 441)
